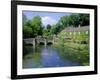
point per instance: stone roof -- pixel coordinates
(77, 29)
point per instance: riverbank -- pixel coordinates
(75, 52)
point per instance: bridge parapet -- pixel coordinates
(35, 41)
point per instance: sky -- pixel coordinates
(47, 17)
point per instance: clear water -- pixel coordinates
(43, 57)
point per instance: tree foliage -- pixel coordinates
(24, 19)
(73, 20)
(34, 27)
(84, 19)
(27, 32)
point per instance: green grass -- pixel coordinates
(75, 52)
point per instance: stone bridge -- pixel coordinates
(35, 41)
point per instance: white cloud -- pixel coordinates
(48, 20)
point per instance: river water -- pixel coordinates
(43, 57)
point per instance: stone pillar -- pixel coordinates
(53, 41)
(54, 37)
(34, 42)
(79, 25)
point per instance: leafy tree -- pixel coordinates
(48, 26)
(24, 19)
(45, 33)
(32, 27)
(74, 20)
(52, 30)
(28, 23)
(63, 21)
(27, 32)
(84, 19)
(36, 25)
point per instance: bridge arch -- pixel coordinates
(39, 41)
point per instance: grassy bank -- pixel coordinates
(75, 52)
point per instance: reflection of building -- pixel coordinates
(74, 30)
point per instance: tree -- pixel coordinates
(45, 33)
(63, 21)
(74, 20)
(24, 19)
(28, 23)
(36, 25)
(27, 32)
(84, 19)
(52, 30)
(33, 27)
(48, 26)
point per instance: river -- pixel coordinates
(43, 57)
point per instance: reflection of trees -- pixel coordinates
(24, 49)
(80, 54)
(37, 59)
(35, 55)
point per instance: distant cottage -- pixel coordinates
(77, 29)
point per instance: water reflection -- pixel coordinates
(49, 56)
